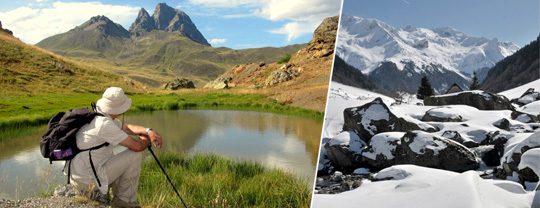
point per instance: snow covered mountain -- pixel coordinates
(445, 55)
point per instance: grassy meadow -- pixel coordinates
(213, 181)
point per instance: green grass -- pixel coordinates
(214, 181)
(17, 113)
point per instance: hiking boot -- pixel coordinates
(118, 203)
(98, 196)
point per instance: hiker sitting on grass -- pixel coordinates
(95, 171)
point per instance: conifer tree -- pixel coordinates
(425, 89)
(474, 84)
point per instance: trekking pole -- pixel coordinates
(166, 175)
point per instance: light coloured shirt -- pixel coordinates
(102, 129)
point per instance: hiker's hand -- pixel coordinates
(155, 138)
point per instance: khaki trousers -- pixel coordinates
(123, 171)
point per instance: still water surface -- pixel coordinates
(278, 141)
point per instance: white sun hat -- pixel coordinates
(113, 101)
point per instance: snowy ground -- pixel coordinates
(415, 186)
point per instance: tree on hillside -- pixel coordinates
(425, 89)
(474, 85)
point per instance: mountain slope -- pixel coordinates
(367, 43)
(98, 36)
(515, 70)
(26, 69)
(301, 81)
(348, 75)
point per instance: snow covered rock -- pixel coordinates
(442, 114)
(524, 117)
(515, 149)
(419, 148)
(529, 166)
(343, 150)
(531, 108)
(375, 117)
(456, 136)
(476, 98)
(528, 97)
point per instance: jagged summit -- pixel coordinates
(143, 23)
(168, 19)
(103, 24)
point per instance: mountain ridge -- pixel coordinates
(166, 52)
(367, 44)
(515, 70)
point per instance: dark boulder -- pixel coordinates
(341, 157)
(375, 117)
(527, 174)
(503, 124)
(344, 150)
(478, 99)
(529, 166)
(424, 149)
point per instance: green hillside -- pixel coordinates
(26, 69)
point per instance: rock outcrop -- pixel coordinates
(179, 84)
(5, 30)
(478, 99)
(222, 82)
(284, 73)
(324, 38)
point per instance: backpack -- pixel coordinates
(59, 141)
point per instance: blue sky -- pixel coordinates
(517, 21)
(229, 23)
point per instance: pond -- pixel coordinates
(286, 142)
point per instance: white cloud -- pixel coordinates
(301, 16)
(35, 24)
(217, 41)
(236, 16)
(294, 30)
(224, 3)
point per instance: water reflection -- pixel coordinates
(286, 142)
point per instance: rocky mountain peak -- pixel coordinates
(5, 30)
(168, 19)
(143, 23)
(163, 14)
(104, 25)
